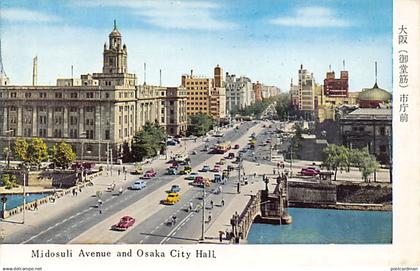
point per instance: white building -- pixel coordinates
(239, 93)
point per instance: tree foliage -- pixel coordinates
(148, 142)
(37, 152)
(199, 125)
(283, 106)
(21, 149)
(337, 157)
(62, 155)
(341, 157)
(8, 180)
(255, 109)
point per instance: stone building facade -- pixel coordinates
(94, 113)
(239, 92)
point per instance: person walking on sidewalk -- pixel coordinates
(211, 204)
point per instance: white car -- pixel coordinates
(138, 185)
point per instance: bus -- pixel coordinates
(223, 147)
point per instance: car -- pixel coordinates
(200, 180)
(172, 171)
(137, 170)
(222, 161)
(309, 171)
(191, 176)
(216, 168)
(174, 165)
(172, 198)
(193, 153)
(205, 169)
(175, 188)
(225, 173)
(124, 223)
(186, 170)
(170, 143)
(231, 155)
(230, 168)
(149, 174)
(217, 178)
(138, 185)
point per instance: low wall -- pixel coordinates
(364, 193)
(42, 178)
(56, 194)
(303, 192)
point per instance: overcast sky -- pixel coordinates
(264, 40)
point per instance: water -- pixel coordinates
(14, 201)
(322, 226)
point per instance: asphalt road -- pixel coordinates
(85, 213)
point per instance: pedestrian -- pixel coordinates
(35, 206)
(237, 188)
(220, 236)
(191, 206)
(211, 204)
(274, 171)
(223, 202)
(119, 172)
(124, 169)
(209, 217)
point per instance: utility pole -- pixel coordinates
(107, 157)
(202, 214)
(24, 195)
(8, 147)
(110, 157)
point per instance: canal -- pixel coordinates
(14, 201)
(323, 226)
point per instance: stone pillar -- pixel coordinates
(66, 122)
(19, 121)
(50, 122)
(35, 121)
(5, 119)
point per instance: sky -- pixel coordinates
(264, 40)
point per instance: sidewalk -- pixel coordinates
(238, 203)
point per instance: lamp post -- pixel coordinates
(24, 171)
(82, 136)
(202, 214)
(8, 147)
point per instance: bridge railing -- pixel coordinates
(251, 210)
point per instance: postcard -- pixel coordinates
(176, 134)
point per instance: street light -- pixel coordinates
(8, 147)
(24, 171)
(202, 215)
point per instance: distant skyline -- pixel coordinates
(266, 41)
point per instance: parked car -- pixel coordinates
(231, 155)
(175, 188)
(309, 171)
(138, 185)
(225, 173)
(186, 170)
(149, 174)
(191, 176)
(236, 146)
(124, 223)
(172, 198)
(170, 143)
(217, 178)
(216, 168)
(222, 161)
(205, 169)
(230, 168)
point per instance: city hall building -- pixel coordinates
(93, 113)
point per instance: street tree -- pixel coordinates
(62, 155)
(20, 148)
(337, 158)
(148, 142)
(37, 152)
(365, 162)
(283, 106)
(199, 125)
